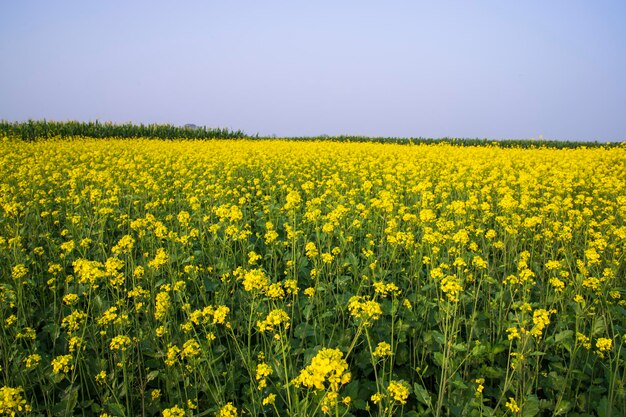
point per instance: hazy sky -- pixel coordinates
(488, 69)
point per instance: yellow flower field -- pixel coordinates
(278, 278)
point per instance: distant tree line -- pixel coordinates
(504, 143)
(43, 129)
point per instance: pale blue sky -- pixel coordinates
(489, 69)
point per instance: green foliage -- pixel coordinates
(156, 277)
(42, 129)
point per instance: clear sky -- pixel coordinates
(488, 69)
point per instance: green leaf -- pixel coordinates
(478, 350)
(563, 408)
(531, 406)
(352, 389)
(599, 327)
(458, 382)
(438, 338)
(360, 404)
(564, 335)
(438, 356)
(460, 347)
(152, 375)
(116, 409)
(603, 407)
(491, 372)
(422, 394)
(496, 349)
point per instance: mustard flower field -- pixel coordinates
(274, 278)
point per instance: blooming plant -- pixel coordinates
(277, 278)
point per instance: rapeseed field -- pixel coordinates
(274, 278)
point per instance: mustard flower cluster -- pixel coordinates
(12, 401)
(363, 309)
(327, 367)
(273, 321)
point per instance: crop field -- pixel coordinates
(274, 278)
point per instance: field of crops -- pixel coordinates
(276, 278)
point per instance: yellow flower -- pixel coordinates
(191, 349)
(74, 321)
(603, 345)
(229, 410)
(376, 398)
(263, 370)
(274, 319)
(275, 291)
(293, 200)
(27, 333)
(436, 273)
(88, 271)
(552, 265)
(219, 314)
(120, 343)
(161, 258)
(363, 309)
(327, 366)
(155, 394)
(513, 333)
(70, 299)
(160, 331)
(253, 257)
(382, 349)
(255, 279)
(479, 262)
(12, 401)
(32, 361)
(162, 306)
(75, 343)
(139, 271)
(19, 271)
(291, 286)
(101, 377)
(512, 405)
(68, 246)
(451, 287)
(175, 411)
(172, 355)
(479, 386)
(108, 316)
(270, 399)
(557, 284)
(327, 258)
(541, 318)
(62, 364)
(183, 218)
(383, 289)
(179, 286)
(329, 402)
(399, 391)
(311, 250)
(583, 340)
(10, 320)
